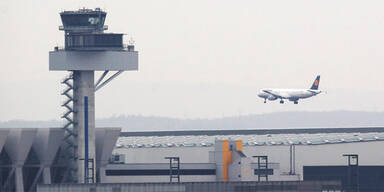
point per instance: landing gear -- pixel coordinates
(295, 102)
(265, 100)
(281, 102)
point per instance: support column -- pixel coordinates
(84, 87)
(47, 175)
(19, 178)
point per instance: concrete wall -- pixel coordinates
(17, 145)
(156, 166)
(329, 154)
(105, 142)
(326, 154)
(93, 60)
(156, 155)
(29, 149)
(234, 169)
(46, 145)
(161, 179)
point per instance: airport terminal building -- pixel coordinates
(347, 155)
(258, 158)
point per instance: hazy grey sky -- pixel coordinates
(203, 58)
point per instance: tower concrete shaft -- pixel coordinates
(84, 87)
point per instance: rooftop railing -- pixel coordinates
(125, 47)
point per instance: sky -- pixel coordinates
(203, 59)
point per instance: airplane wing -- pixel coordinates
(280, 96)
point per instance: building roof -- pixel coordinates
(255, 131)
(248, 140)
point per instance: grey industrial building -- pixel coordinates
(293, 155)
(31, 158)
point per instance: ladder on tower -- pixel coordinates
(89, 175)
(70, 149)
(91, 171)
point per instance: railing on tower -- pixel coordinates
(70, 149)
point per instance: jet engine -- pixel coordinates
(272, 98)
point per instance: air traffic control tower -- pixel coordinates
(87, 49)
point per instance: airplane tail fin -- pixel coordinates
(316, 83)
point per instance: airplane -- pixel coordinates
(290, 94)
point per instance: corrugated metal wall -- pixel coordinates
(278, 186)
(141, 187)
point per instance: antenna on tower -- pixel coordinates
(131, 41)
(131, 45)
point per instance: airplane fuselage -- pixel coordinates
(290, 94)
